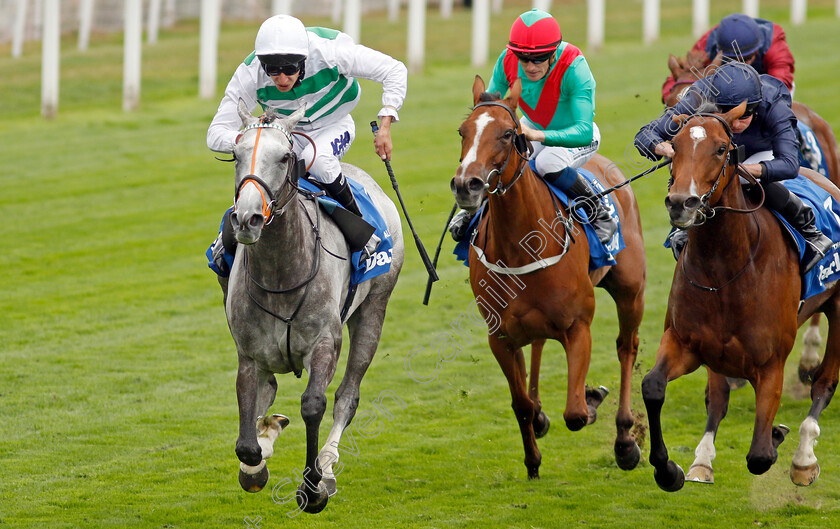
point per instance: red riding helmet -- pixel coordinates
(534, 31)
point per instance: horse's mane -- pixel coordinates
(270, 116)
(490, 96)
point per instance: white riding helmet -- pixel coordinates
(282, 35)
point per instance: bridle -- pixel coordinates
(733, 158)
(270, 209)
(500, 188)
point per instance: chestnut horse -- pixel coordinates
(692, 68)
(734, 305)
(526, 299)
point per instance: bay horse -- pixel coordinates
(734, 305)
(687, 71)
(284, 300)
(535, 303)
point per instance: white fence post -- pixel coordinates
(798, 11)
(394, 9)
(49, 59)
(700, 17)
(132, 50)
(480, 31)
(416, 35)
(353, 19)
(750, 8)
(208, 55)
(497, 7)
(154, 22)
(446, 8)
(542, 5)
(85, 23)
(281, 7)
(595, 24)
(336, 10)
(20, 29)
(650, 23)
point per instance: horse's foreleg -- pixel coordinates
(541, 422)
(811, 342)
(313, 405)
(768, 394)
(804, 468)
(578, 345)
(717, 404)
(671, 362)
(251, 383)
(512, 362)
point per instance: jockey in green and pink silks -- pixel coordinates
(558, 100)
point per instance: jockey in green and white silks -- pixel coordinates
(558, 100)
(315, 68)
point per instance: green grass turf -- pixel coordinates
(117, 401)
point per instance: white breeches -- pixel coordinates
(331, 144)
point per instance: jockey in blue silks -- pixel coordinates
(767, 130)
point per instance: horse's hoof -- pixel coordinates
(804, 476)
(312, 502)
(253, 479)
(577, 423)
(779, 433)
(700, 473)
(541, 425)
(629, 460)
(671, 479)
(736, 383)
(806, 374)
(330, 485)
(594, 398)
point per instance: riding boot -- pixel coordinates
(802, 218)
(223, 249)
(459, 224)
(571, 182)
(340, 190)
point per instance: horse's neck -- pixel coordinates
(285, 246)
(728, 234)
(525, 207)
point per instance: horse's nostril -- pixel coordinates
(255, 221)
(475, 184)
(692, 203)
(452, 185)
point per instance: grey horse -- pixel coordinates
(284, 302)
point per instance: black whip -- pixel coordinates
(437, 253)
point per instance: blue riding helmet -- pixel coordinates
(736, 82)
(738, 35)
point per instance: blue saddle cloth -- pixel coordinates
(375, 265)
(811, 141)
(380, 262)
(599, 254)
(827, 213)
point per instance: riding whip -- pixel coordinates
(437, 253)
(420, 248)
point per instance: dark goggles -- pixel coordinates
(749, 111)
(533, 57)
(286, 69)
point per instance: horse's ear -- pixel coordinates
(735, 113)
(515, 93)
(674, 65)
(245, 114)
(478, 89)
(680, 119)
(290, 122)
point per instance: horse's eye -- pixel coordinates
(721, 150)
(285, 158)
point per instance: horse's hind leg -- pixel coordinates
(671, 362)
(811, 342)
(717, 404)
(541, 422)
(805, 469)
(365, 330)
(512, 362)
(768, 394)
